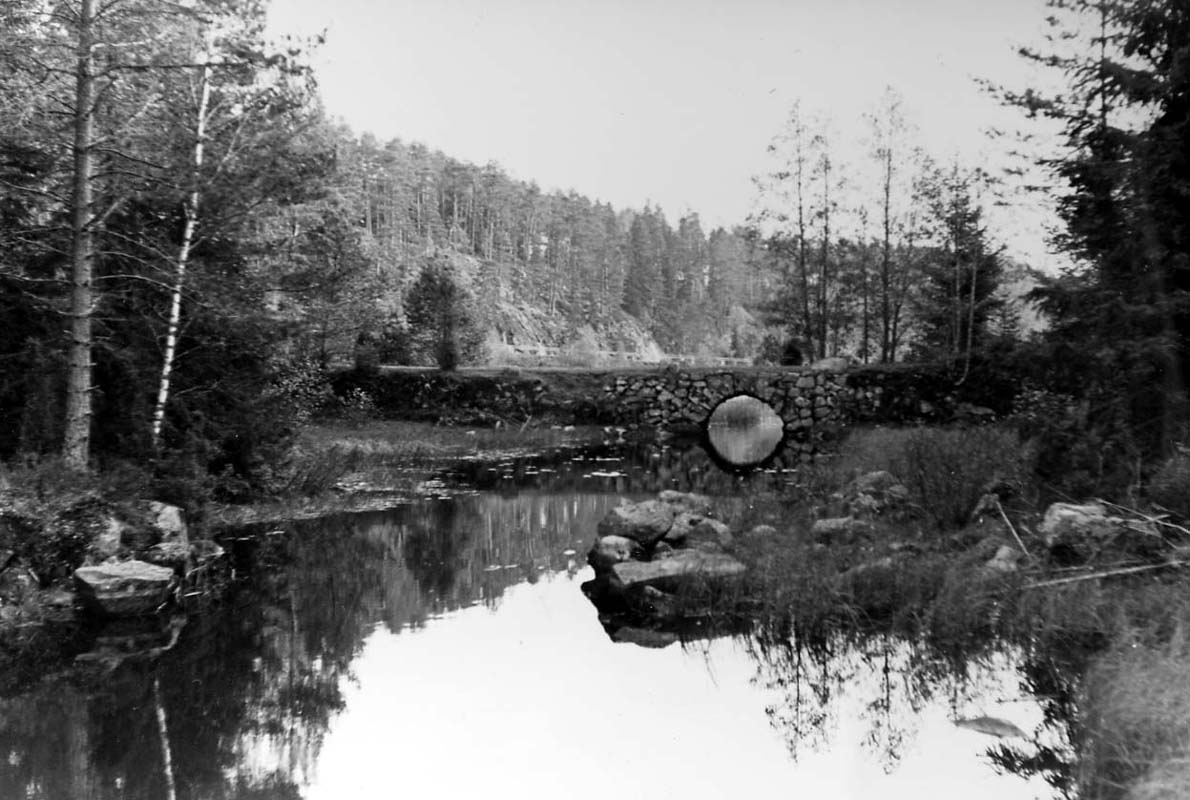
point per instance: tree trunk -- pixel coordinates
(76, 449)
(802, 256)
(824, 267)
(191, 213)
(886, 323)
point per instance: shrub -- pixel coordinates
(946, 470)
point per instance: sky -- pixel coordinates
(671, 102)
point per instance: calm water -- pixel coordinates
(444, 649)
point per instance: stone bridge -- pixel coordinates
(812, 403)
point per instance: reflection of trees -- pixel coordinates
(639, 468)
(249, 691)
(890, 679)
(1053, 675)
(435, 546)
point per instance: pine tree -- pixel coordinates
(1122, 314)
(442, 319)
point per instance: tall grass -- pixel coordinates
(946, 470)
(1136, 710)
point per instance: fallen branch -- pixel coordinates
(1015, 535)
(1158, 520)
(1107, 574)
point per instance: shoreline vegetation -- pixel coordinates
(954, 557)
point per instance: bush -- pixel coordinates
(946, 470)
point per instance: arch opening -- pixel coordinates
(744, 431)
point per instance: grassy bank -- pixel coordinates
(1107, 651)
(344, 466)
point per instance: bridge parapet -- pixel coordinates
(813, 404)
(804, 400)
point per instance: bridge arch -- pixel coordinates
(811, 404)
(743, 432)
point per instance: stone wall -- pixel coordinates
(813, 403)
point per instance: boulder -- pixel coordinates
(610, 550)
(695, 530)
(169, 521)
(1076, 533)
(876, 482)
(876, 492)
(840, 530)
(108, 540)
(645, 522)
(710, 534)
(688, 501)
(670, 574)
(1006, 561)
(663, 550)
(16, 584)
(763, 532)
(125, 589)
(174, 555)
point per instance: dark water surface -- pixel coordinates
(444, 649)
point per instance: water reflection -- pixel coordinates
(444, 649)
(250, 690)
(745, 431)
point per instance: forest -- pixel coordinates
(188, 243)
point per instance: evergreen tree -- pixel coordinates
(1122, 314)
(962, 272)
(443, 322)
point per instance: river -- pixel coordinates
(443, 648)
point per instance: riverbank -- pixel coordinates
(344, 467)
(927, 535)
(940, 537)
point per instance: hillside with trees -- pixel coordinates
(187, 242)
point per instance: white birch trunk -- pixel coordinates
(191, 223)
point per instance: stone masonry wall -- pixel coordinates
(814, 404)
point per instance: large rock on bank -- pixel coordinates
(670, 573)
(645, 522)
(1078, 533)
(611, 550)
(648, 553)
(696, 530)
(126, 589)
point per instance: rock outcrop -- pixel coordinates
(651, 557)
(124, 589)
(1079, 533)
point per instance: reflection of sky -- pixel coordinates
(531, 699)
